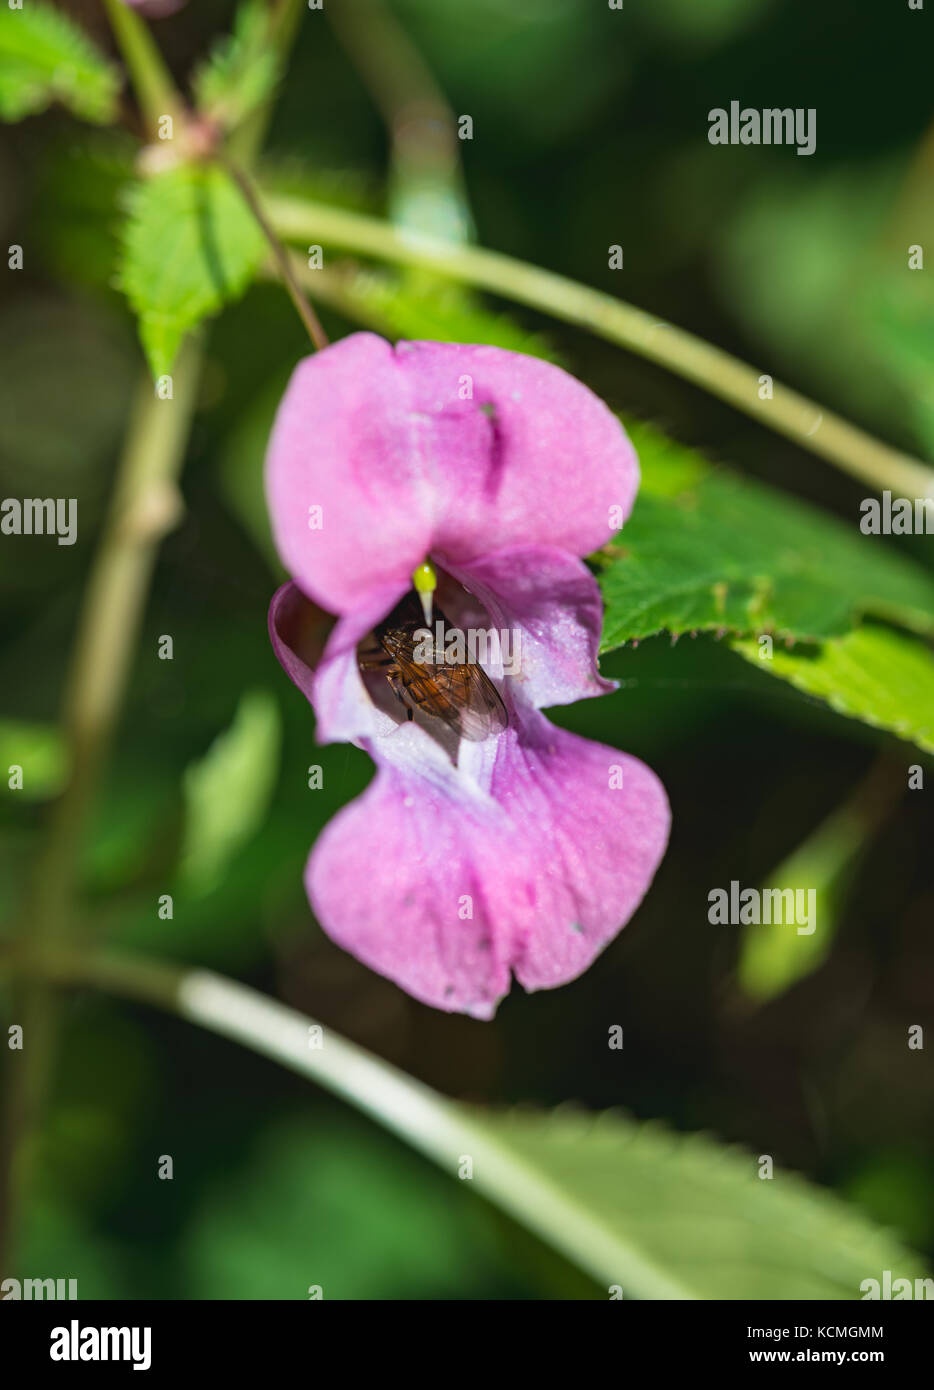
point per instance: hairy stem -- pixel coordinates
(283, 260)
(791, 414)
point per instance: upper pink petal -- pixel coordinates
(436, 448)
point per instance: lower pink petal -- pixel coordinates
(446, 888)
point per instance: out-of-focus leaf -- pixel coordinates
(228, 791)
(45, 57)
(894, 1187)
(242, 69)
(129, 825)
(873, 673)
(415, 306)
(40, 751)
(52, 348)
(190, 244)
(521, 52)
(901, 312)
(78, 185)
(815, 236)
(841, 296)
(58, 1241)
(668, 1216)
(339, 1207)
(343, 188)
(240, 472)
(725, 553)
(694, 26)
(773, 956)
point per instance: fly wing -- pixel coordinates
(463, 697)
(479, 708)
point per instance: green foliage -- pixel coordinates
(840, 297)
(39, 749)
(45, 57)
(293, 176)
(242, 70)
(670, 1216)
(718, 552)
(708, 550)
(337, 1205)
(894, 1187)
(78, 186)
(774, 957)
(873, 673)
(190, 245)
(57, 1235)
(228, 791)
(901, 315)
(418, 305)
(700, 27)
(240, 472)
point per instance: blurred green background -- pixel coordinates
(589, 129)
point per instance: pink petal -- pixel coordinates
(551, 858)
(552, 601)
(436, 448)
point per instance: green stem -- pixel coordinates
(152, 81)
(791, 414)
(145, 505)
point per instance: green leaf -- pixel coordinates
(873, 673)
(636, 1205)
(45, 57)
(706, 549)
(190, 245)
(668, 468)
(228, 791)
(242, 70)
(39, 750)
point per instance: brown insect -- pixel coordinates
(461, 695)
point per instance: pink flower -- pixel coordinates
(523, 851)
